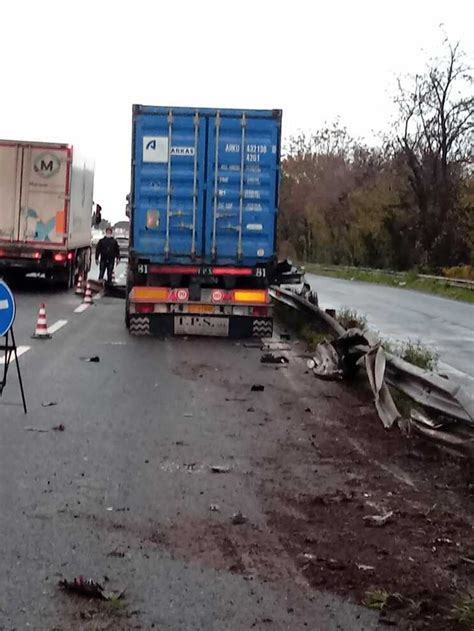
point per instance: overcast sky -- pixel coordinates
(71, 69)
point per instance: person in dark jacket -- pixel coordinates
(108, 251)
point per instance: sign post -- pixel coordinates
(7, 317)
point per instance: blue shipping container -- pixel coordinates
(205, 185)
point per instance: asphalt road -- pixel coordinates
(402, 314)
(123, 494)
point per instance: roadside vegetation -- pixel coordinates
(463, 611)
(403, 203)
(297, 322)
(413, 352)
(350, 319)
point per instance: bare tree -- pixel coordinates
(436, 134)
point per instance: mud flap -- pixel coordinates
(140, 325)
(262, 327)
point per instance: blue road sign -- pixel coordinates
(7, 308)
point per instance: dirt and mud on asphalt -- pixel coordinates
(382, 518)
(216, 492)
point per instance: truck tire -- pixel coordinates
(127, 306)
(64, 278)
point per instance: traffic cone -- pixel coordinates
(41, 332)
(79, 287)
(88, 295)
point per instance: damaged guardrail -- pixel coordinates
(447, 400)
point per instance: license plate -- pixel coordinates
(197, 325)
(200, 309)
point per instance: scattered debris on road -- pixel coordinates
(59, 428)
(36, 429)
(238, 519)
(269, 358)
(95, 359)
(89, 588)
(378, 520)
(188, 415)
(214, 508)
(217, 468)
(48, 404)
(257, 388)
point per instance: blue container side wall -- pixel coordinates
(150, 185)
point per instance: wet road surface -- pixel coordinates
(123, 494)
(402, 314)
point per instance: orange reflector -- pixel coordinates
(250, 295)
(149, 294)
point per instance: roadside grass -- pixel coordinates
(349, 319)
(376, 599)
(380, 599)
(463, 611)
(308, 331)
(414, 352)
(407, 280)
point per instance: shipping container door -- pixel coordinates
(10, 185)
(44, 195)
(242, 186)
(168, 195)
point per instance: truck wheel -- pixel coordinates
(65, 278)
(127, 306)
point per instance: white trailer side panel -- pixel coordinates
(80, 207)
(45, 189)
(10, 183)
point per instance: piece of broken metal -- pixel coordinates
(257, 388)
(89, 588)
(238, 519)
(220, 468)
(378, 520)
(375, 365)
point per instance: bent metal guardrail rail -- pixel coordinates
(428, 389)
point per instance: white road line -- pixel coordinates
(20, 350)
(81, 308)
(56, 326)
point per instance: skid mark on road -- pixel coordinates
(56, 326)
(21, 350)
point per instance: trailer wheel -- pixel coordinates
(127, 306)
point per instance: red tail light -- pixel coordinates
(70, 256)
(232, 271)
(144, 307)
(260, 311)
(220, 295)
(36, 255)
(173, 269)
(2, 252)
(59, 257)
